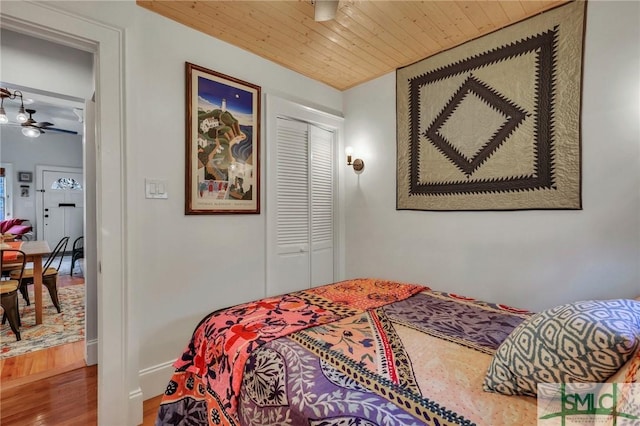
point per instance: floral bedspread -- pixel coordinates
(208, 377)
(359, 352)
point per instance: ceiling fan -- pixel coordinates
(33, 129)
(324, 10)
(30, 127)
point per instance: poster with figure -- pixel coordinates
(222, 146)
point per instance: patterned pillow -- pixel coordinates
(584, 341)
(630, 372)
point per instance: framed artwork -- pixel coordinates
(222, 144)
(494, 124)
(24, 191)
(25, 176)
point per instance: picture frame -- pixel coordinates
(222, 170)
(25, 177)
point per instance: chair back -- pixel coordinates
(16, 258)
(60, 248)
(78, 245)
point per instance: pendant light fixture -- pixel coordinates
(21, 117)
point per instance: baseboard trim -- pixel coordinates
(91, 352)
(153, 380)
(135, 414)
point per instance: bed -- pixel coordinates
(378, 352)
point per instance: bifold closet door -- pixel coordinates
(292, 263)
(321, 200)
(300, 229)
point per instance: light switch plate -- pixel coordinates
(155, 188)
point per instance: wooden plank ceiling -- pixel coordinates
(367, 39)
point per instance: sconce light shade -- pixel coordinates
(349, 151)
(358, 164)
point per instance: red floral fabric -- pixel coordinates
(222, 342)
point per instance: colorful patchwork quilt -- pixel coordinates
(358, 352)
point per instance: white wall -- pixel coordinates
(180, 268)
(24, 153)
(530, 259)
(46, 66)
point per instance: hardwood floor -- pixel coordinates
(66, 399)
(69, 398)
(54, 387)
(150, 410)
(22, 369)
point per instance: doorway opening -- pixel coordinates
(54, 203)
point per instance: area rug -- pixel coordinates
(494, 124)
(56, 329)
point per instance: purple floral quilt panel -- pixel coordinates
(472, 323)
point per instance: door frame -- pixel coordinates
(40, 168)
(8, 178)
(119, 394)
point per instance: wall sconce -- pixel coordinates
(358, 164)
(21, 117)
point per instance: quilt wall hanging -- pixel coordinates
(494, 124)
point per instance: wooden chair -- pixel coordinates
(9, 289)
(6, 271)
(49, 274)
(77, 252)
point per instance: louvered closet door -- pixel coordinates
(291, 263)
(321, 167)
(300, 208)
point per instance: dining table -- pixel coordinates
(34, 251)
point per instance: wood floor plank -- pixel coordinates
(69, 398)
(40, 364)
(66, 399)
(150, 410)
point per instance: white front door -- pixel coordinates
(62, 212)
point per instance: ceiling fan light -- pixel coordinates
(31, 132)
(3, 116)
(325, 10)
(22, 116)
